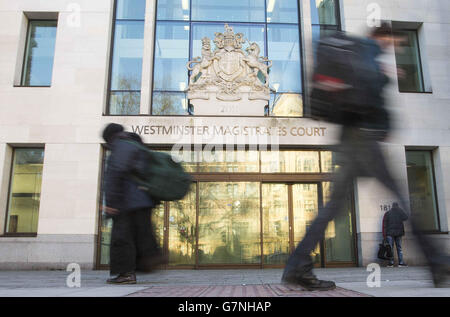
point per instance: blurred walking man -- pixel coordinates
(133, 244)
(359, 153)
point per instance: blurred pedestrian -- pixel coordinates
(393, 231)
(349, 91)
(133, 243)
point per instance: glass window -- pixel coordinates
(182, 233)
(177, 42)
(124, 103)
(25, 191)
(171, 56)
(284, 51)
(130, 9)
(39, 53)
(408, 61)
(253, 32)
(282, 11)
(339, 239)
(165, 103)
(422, 192)
(290, 162)
(286, 105)
(173, 10)
(126, 58)
(228, 10)
(229, 223)
(275, 208)
(305, 210)
(229, 161)
(324, 12)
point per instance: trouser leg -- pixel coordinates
(122, 249)
(146, 244)
(398, 245)
(390, 240)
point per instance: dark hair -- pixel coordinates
(382, 30)
(110, 130)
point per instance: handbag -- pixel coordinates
(385, 251)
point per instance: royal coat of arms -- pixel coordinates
(228, 74)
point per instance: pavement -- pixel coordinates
(351, 282)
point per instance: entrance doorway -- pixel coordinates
(251, 215)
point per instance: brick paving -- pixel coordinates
(259, 290)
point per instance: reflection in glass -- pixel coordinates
(229, 223)
(328, 160)
(128, 49)
(171, 56)
(275, 223)
(284, 51)
(165, 103)
(305, 209)
(339, 242)
(127, 55)
(286, 105)
(290, 162)
(408, 60)
(124, 103)
(421, 189)
(173, 9)
(229, 10)
(130, 9)
(255, 33)
(186, 158)
(40, 51)
(158, 223)
(282, 11)
(222, 160)
(182, 234)
(105, 239)
(25, 191)
(323, 12)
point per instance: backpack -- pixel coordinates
(345, 84)
(159, 175)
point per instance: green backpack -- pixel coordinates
(159, 175)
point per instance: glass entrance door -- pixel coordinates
(288, 210)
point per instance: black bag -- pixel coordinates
(343, 82)
(159, 175)
(385, 251)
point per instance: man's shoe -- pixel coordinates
(127, 278)
(390, 265)
(308, 281)
(402, 265)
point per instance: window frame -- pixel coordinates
(190, 21)
(25, 54)
(433, 172)
(11, 170)
(109, 92)
(419, 65)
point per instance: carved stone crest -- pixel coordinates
(228, 74)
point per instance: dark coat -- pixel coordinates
(121, 192)
(393, 222)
